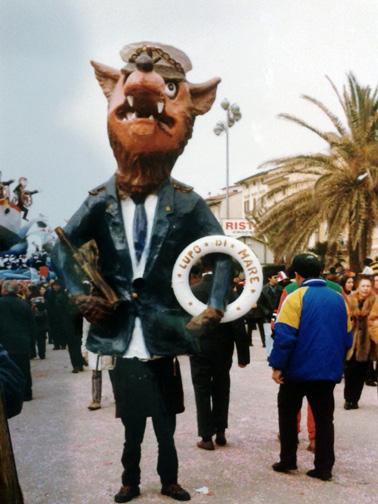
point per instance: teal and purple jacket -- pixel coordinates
(312, 334)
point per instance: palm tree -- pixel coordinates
(339, 188)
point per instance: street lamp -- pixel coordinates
(233, 115)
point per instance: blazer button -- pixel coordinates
(135, 295)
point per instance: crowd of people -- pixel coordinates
(327, 328)
(359, 289)
(21, 261)
(13, 262)
(32, 315)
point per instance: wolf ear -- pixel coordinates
(203, 95)
(107, 77)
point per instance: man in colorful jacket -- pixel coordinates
(312, 336)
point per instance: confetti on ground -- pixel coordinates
(204, 491)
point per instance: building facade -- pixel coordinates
(236, 225)
(244, 197)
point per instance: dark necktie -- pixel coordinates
(139, 224)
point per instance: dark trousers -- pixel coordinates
(211, 381)
(58, 335)
(320, 397)
(251, 325)
(74, 350)
(354, 377)
(142, 390)
(167, 465)
(41, 343)
(372, 372)
(23, 362)
(32, 346)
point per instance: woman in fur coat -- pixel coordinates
(364, 312)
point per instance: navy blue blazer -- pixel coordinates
(181, 217)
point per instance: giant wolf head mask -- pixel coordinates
(151, 111)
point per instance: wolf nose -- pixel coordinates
(144, 63)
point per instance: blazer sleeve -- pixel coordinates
(206, 224)
(79, 230)
(12, 384)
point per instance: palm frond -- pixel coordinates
(299, 121)
(310, 189)
(334, 119)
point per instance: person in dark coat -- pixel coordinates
(255, 318)
(16, 330)
(267, 303)
(66, 324)
(74, 334)
(210, 368)
(12, 385)
(57, 306)
(38, 305)
(48, 295)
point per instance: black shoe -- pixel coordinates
(205, 444)
(175, 491)
(75, 370)
(284, 468)
(322, 475)
(350, 405)
(220, 439)
(370, 382)
(127, 493)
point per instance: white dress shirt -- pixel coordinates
(137, 347)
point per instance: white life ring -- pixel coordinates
(224, 245)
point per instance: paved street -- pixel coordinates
(69, 455)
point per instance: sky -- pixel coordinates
(267, 52)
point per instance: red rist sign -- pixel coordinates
(237, 227)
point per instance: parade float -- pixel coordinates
(24, 244)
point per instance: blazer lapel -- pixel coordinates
(161, 224)
(113, 212)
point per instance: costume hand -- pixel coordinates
(94, 308)
(208, 318)
(277, 376)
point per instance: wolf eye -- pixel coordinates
(171, 89)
